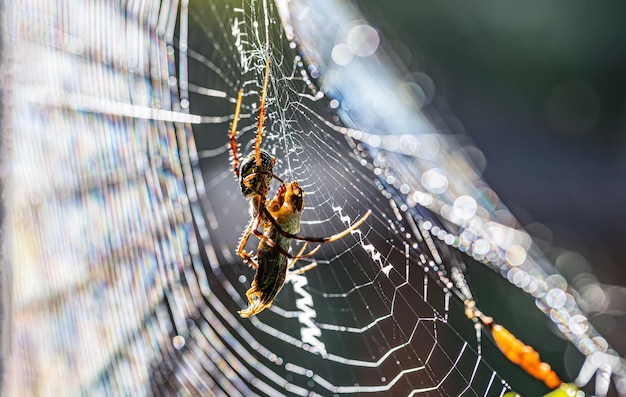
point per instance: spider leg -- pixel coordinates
(250, 177)
(259, 136)
(272, 244)
(233, 135)
(334, 237)
(243, 254)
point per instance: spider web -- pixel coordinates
(367, 319)
(392, 277)
(124, 277)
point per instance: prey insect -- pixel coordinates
(279, 219)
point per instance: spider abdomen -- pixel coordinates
(260, 183)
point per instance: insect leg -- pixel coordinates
(278, 200)
(293, 262)
(302, 269)
(233, 135)
(334, 237)
(272, 244)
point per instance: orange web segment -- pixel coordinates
(259, 136)
(524, 356)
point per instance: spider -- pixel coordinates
(280, 219)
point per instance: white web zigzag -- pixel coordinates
(309, 331)
(369, 248)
